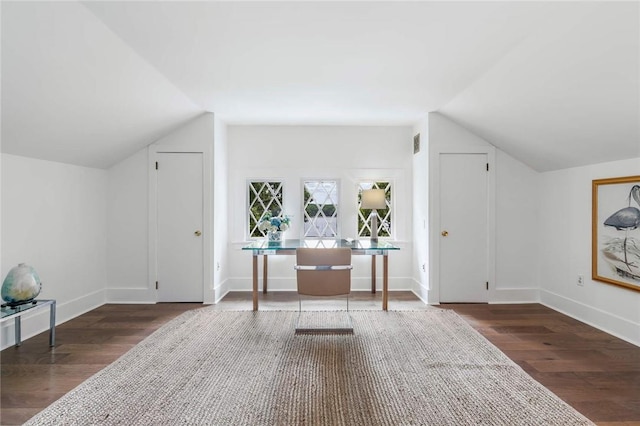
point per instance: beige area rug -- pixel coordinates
(211, 367)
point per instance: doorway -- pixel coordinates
(179, 210)
(464, 227)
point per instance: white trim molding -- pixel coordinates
(434, 215)
(131, 295)
(605, 321)
(207, 229)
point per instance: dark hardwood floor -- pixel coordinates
(594, 372)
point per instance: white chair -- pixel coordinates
(323, 272)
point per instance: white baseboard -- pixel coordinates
(609, 323)
(149, 296)
(220, 291)
(131, 295)
(515, 295)
(421, 291)
(36, 323)
(501, 295)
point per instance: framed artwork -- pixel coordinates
(615, 245)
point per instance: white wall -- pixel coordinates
(86, 230)
(220, 211)
(292, 153)
(514, 231)
(54, 218)
(420, 169)
(131, 276)
(517, 224)
(128, 217)
(565, 251)
(543, 236)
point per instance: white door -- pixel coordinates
(180, 211)
(463, 228)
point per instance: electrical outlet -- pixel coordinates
(580, 280)
(217, 266)
(424, 268)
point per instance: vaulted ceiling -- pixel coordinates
(554, 84)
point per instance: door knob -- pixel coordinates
(444, 233)
(197, 233)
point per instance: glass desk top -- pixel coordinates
(8, 311)
(365, 244)
(15, 312)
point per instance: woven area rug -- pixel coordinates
(211, 367)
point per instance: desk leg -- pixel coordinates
(385, 281)
(255, 282)
(373, 274)
(264, 273)
(52, 324)
(18, 326)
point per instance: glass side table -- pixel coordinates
(16, 312)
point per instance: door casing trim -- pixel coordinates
(207, 228)
(435, 223)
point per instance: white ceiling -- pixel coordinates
(554, 84)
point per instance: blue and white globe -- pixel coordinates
(21, 285)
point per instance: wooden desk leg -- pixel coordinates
(373, 274)
(255, 282)
(385, 281)
(264, 274)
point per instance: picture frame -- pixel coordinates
(615, 244)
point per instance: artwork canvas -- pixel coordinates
(616, 231)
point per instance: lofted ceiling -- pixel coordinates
(554, 84)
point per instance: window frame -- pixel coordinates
(337, 230)
(390, 201)
(248, 213)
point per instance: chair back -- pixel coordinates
(323, 271)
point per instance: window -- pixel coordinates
(320, 208)
(263, 196)
(384, 215)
